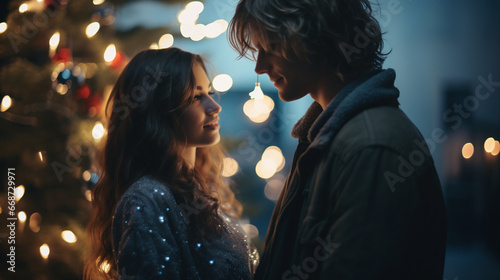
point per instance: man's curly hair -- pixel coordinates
(343, 34)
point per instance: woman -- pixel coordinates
(161, 208)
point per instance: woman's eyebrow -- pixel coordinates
(201, 88)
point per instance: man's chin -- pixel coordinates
(289, 97)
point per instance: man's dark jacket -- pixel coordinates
(363, 199)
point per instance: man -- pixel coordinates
(363, 199)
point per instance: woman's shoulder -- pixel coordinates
(148, 188)
(148, 193)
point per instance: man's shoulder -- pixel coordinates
(385, 127)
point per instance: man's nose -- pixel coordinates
(262, 66)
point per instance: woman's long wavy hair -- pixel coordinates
(343, 34)
(145, 138)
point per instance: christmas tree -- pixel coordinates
(58, 62)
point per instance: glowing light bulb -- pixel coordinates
(19, 192)
(98, 131)
(22, 216)
(6, 103)
(23, 8)
(54, 40)
(44, 251)
(98, 2)
(3, 27)
(92, 29)
(68, 236)
(110, 53)
(257, 92)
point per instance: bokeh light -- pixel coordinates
(22, 216)
(273, 188)
(489, 145)
(265, 168)
(19, 192)
(496, 150)
(251, 230)
(110, 53)
(222, 82)
(6, 103)
(68, 236)
(98, 131)
(35, 222)
(199, 32)
(54, 40)
(3, 27)
(166, 41)
(23, 8)
(468, 150)
(92, 29)
(44, 251)
(230, 167)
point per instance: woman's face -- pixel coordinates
(200, 121)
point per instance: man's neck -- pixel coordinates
(328, 86)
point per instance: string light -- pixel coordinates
(68, 236)
(3, 27)
(54, 40)
(23, 8)
(19, 192)
(45, 251)
(98, 131)
(6, 103)
(22, 216)
(110, 53)
(92, 29)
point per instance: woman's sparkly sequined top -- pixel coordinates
(151, 240)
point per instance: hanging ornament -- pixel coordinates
(62, 55)
(83, 92)
(257, 93)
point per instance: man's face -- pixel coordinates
(293, 79)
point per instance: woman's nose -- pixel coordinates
(213, 107)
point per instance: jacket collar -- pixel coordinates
(370, 90)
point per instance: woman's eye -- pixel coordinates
(197, 97)
(211, 93)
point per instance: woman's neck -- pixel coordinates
(189, 155)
